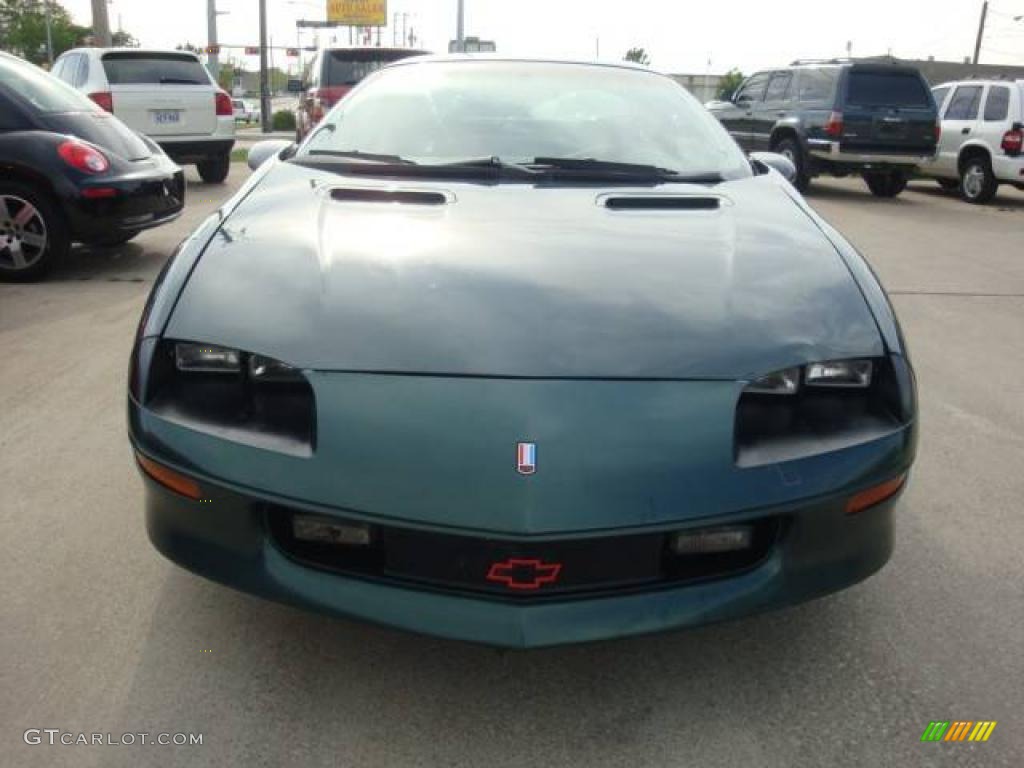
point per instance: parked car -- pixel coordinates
(982, 137)
(246, 111)
(838, 118)
(70, 172)
(522, 353)
(167, 95)
(332, 73)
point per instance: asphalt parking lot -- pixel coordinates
(100, 634)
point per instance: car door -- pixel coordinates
(738, 119)
(768, 111)
(995, 117)
(958, 123)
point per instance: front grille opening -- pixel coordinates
(453, 563)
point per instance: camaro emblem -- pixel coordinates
(518, 573)
(526, 458)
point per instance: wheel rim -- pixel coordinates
(23, 237)
(974, 180)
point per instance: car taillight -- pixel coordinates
(105, 99)
(224, 106)
(83, 157)
(834, 124)
(320, 105)
(1013, 140)
(938, 131)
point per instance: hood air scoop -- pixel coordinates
(402, 196)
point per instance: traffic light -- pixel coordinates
(252, 50)
(213, 50)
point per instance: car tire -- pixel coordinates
(978, 184)
(791, 149)
(950, 185)
(886, 183)
(28, 211)
(214, 170)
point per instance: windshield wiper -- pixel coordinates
(501, 167)
(363, 157)
(592, 166)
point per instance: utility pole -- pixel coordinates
(264, 75)
(49, 33)
(101, 24)
(213, 59)
(981, 31)
(460, 28)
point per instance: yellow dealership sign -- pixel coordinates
(358, 13)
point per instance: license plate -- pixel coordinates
(166, 116)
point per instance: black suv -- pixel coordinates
(837, 117)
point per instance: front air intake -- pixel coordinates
(662, 203)
(401, 196)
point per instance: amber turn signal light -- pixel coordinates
(168, 478)
(875, 494)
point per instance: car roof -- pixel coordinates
(979, 81)
(449, 58)
(103, 51)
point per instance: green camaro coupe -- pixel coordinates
(521, 353)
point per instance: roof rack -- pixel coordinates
(835, 60)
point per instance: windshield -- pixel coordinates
(44, 92)
(131, 68)
(446, 112)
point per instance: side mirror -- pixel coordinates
(264, 150)
(763, 161)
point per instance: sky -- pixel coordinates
(680, 36)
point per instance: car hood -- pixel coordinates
(520, 280)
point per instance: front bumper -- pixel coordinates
(225, 537)
(143, 199)
(832, 153)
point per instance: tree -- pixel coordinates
(23, 29)
(122, 39)
(637, 56)
(730, 81)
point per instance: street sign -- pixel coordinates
(293, 52)
(358, 13)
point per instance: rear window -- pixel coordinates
(44, 92)
(997, 104)
(154, 69)
(349, 67)
(886, 89)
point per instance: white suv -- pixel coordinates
(982, 142)
(167, 95)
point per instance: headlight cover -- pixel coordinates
(852, 374)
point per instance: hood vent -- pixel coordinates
(662, 202)
(403, 196)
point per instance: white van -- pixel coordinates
(167, 95)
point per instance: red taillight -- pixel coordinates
(168, 478)
(224, 108)
(83, 157)
(938, 131)
(105, 99)
(1013, 141)
(834, 125)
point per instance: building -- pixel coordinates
(936, 72)
(703, 87)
